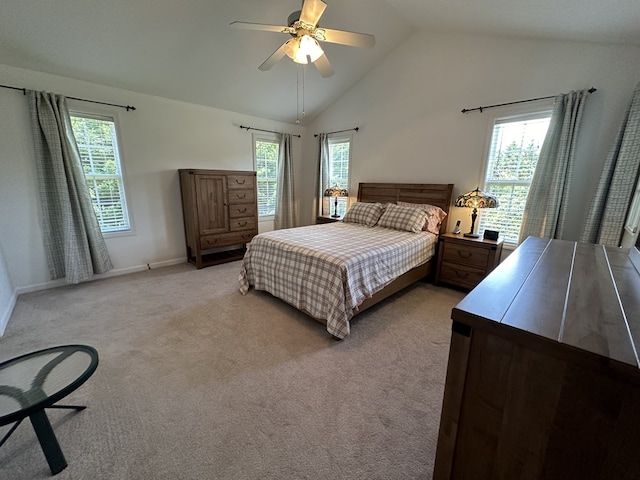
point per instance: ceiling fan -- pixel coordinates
(304, 47)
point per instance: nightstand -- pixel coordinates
(464, 261)
(327, 219)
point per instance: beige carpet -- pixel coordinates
(196, 381)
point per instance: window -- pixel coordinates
(339, 159)
(98, 145)
(266, 164)
(513, 156)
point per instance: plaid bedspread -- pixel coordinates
(328, 270)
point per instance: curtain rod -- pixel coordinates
(127, 107)
(268, 131)
(465, 110)
(339, 131)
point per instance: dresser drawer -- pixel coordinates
(466, 255)
(241, 196)
(242, 223)
(242, 210)
(461, 275)
(224, 240)
(240, 181)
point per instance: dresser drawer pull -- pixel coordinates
(241, 182)
(461, 274)
(241, 210)
(242, 224)
(244, 195)
(464, 254)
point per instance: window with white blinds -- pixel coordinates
(98, 145)
(339, 159)
(513, 156)
(266, 164)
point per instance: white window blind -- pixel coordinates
(513, 156)
(266, 163)
(339, 159)
(98, 145)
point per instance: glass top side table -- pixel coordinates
(35, 381)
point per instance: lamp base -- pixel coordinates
(472, 235)
(335, 215)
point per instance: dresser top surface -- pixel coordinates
(574, 294)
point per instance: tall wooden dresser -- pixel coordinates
(220, 213)
(543, 380)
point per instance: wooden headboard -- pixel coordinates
(438, 194)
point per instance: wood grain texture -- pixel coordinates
(438, 194)
(552, 385)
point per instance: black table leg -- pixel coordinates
(48, 442)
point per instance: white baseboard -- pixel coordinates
(6, 314)
(111, 273)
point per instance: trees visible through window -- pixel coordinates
(266, 164)
(512, 160)
(98, 145)
(339, 158)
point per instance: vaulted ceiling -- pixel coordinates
(186, 50)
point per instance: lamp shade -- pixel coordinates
(302, 48)
(477, 199)
(336, 191)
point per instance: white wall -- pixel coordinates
(7, 295)
(158, 138)
(412, 130)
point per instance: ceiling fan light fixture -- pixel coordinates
(303, 48)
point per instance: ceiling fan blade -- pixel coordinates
(312, 10)
(273, 59)
(323, 66)
(259, 26)
(348, 38)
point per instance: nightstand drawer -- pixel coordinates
(461, 275)
(466, 255)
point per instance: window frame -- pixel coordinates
(114, 118)
(271, 138)
(343, 202)
(521, 113)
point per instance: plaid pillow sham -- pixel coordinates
(408, 219)
(435, 215)
(364, 213)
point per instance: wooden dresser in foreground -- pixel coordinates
(220, 212)
(543, 380)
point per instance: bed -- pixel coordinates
(334, 271)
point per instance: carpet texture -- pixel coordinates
(196, 381)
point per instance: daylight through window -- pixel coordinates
(98, 146)
(513, 156)
(266, 164)
(339, 158)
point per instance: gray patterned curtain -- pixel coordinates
(610, 205)
(546, 207)
(323, 172)
(285, 215)
(73, 242)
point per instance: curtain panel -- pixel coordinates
(285, 215)
(74, 245)
(322, 156)
(546, 207)
(610, 205)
